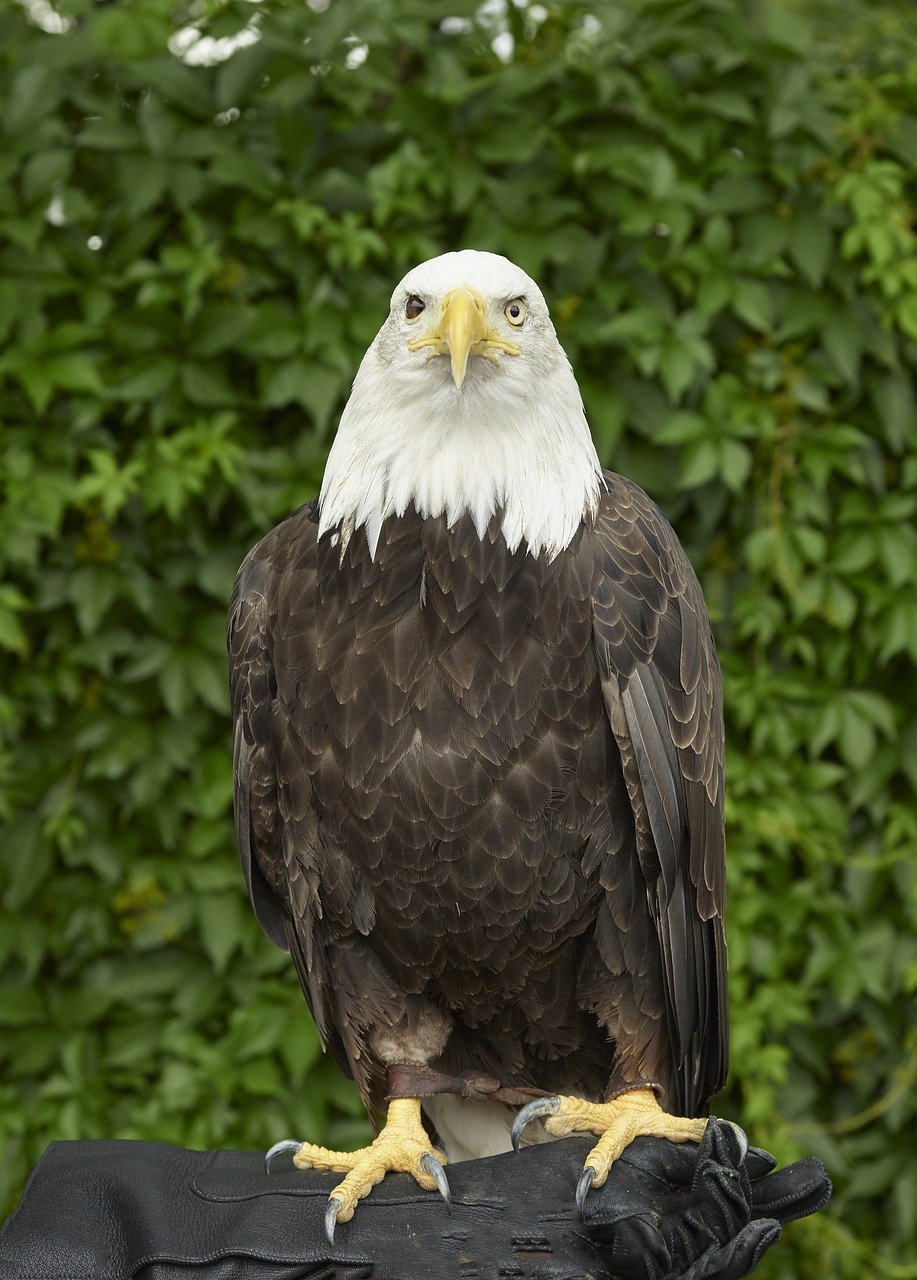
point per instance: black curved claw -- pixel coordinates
(532, 1111)
(432, 1166)
(331, 1216)
(586, 1179)
(288, 1144)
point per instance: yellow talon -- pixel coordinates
(403, 1146)
(631, 1115)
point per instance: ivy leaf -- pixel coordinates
(810, 245)
(751, 301)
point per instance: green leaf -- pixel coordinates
(20, 1006)
(131, 33)
(313, 386)
(31, 93)
(906, 314)
(91, 590)
(148, 382)
(764, 238)
(810, 244)
(840, 603)
(844, 341)
(643, 323)
(220, 921)
(893, 397)
(701, 463)
(12, 635)
(714, 294)
(900, 629)
(239, 74)
(677, 369)
(218, 328)
(682, 427)
(735, 464)
(729, 105)
(751, 301)
(739, 194)
(28, 862)
(204, 385)
(75, 373)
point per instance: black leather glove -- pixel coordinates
(678, 1213)
(111, 1210)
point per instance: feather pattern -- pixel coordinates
(484, 785)
(661, 687)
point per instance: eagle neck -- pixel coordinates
(500, 448)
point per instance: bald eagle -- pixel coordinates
(479, 755)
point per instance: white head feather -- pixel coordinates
(513, 437)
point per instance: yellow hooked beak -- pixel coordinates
(462, 331)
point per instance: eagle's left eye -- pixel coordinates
(515, 312)
(414, 306)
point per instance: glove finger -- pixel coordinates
(759, 1162)
(726, 1142)
(720, 1184)
(636, 1247)
(794, 1192)
(736, 1259)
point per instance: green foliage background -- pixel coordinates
(717, 199)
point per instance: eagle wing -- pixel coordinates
(662, 692)
(276, 816)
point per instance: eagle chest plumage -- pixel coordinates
(447, 702)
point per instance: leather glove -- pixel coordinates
(108, 1210)
(678, 1213)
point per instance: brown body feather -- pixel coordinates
(488, 785)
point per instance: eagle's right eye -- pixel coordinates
(414, 306)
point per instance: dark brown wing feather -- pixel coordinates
(251, 689)
(277, 825)
(662, 691)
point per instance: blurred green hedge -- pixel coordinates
(203, 210)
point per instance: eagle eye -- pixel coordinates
(515, 312)
(414, 306)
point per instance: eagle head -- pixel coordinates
(465, 404)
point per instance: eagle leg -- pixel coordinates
(403, 1146)
(417, 1080)
(632, 1114)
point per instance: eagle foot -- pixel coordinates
(403, 1146)
(630, 1115)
